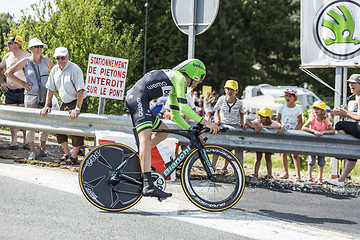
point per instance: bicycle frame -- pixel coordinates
(195, 143)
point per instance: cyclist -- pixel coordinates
(173, 84)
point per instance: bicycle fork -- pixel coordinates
(206, 162)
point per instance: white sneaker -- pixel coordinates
(336, 182)
(31, 156)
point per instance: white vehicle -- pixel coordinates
(265, 95)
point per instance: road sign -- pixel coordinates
(202, 16)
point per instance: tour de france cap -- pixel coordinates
(265, 112)
(319, 104)
(354, 78)
(60, 51)
(16, 39)
(232, 84)
(36, 42)
(291, 91)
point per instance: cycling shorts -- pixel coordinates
(142, 117)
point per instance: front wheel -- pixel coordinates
(215, 194)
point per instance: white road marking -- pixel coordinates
(179, 207)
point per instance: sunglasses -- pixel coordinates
(58, 58)
(39, 46)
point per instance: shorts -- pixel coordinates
(352, 128)
(15, 96)
(312, 160)
(31, 101)
(266, 153)
(141, 115)
(208, 110)
(77, 141)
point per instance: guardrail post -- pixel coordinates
(239, 153)
(337, 99)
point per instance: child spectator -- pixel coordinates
(290, 116)
(318, 124)
(208, 100)
(264, 121)
(228, 110)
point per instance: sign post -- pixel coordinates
(330, 38)
(194, 17)
(106, 78)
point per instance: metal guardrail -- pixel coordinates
(338, 145)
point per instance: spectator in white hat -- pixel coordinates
(68, 79)
(290, 116)
(348, 127)
(36, 69)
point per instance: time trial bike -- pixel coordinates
(200, 183)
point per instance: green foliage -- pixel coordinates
(4, 28)
(83, 27)
(306, 115)
(166, 45)
(251, 41)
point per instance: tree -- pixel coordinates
(4, 28)
(83, 27)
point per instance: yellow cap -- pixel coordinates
(265, 112)
(16, 39)
(319, 104)
(232, 84)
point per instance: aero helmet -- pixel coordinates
(194, 68)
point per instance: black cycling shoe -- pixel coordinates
(149, 190)
(155, 192)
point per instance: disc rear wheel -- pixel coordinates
(99, 165)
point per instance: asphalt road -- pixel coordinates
(46, 203)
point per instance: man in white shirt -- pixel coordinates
(68, 78)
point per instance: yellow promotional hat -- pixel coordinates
(265, 112)
(16, 39)
(232, 84)
(319, 104)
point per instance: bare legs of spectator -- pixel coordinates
(349, 166)
(296, 159)
(14, 140)
(75, 150)
(214, 162)
(284, 160)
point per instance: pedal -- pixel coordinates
(160, 199)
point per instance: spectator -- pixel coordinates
(348, 127)
(208, 100)
(14, 92)
(264, 121)
(290, 116)
(68, 78)
(36, 70)
(318, 124)
(200, 109)
(228, 110)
